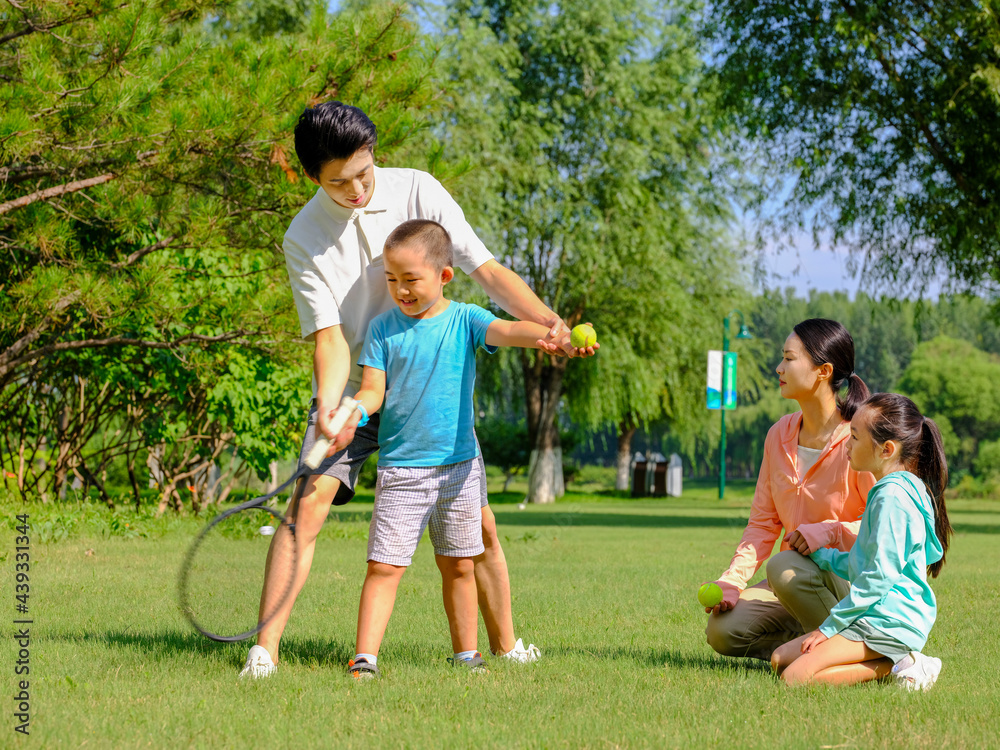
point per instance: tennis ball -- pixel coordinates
(266, 530)
(710, 594)
(583, 336)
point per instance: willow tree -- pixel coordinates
(146, 179)
(593, 133)
(879, 123)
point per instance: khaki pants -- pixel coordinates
(795, 599)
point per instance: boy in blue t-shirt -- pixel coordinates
(419, 363)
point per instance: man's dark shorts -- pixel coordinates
(346, 465)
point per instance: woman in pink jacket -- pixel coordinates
(806, 489)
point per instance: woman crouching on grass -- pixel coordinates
(807, 491)
(882, 624)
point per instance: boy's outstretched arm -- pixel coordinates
(510, 291)
(371, 395)
(525, 335)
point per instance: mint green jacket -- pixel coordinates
(887, 566)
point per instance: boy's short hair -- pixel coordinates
(330, 131)
(429, 236)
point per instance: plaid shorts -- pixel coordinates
(347, 464)
(408, 499)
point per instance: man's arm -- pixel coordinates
(332, 367)
(515, 297)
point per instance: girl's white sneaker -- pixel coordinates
(917, 672)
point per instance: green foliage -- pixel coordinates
(959, 387)
(600, 180)
(504, 444)
(889, 337)
(369, 472)
(146, 180)
(885, 113)
(988, 461)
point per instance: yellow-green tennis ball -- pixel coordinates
(710, 594)
(583, 336)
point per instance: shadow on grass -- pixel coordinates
(508, 518)
(974, 528)
(659, 657)
(169, 643)
(335, 652)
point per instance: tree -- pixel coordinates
(594, 141)
(884, 113)
(505, 445)
(145, 183)
(959, 387)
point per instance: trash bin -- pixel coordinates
(639, 475)
(675, 475)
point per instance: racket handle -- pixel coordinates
(318, 452)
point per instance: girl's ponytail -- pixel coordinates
(891, 416)
(932, 468)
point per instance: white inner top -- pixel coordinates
(807, 458)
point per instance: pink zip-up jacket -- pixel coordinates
(825, 505)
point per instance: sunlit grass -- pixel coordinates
(604, 585)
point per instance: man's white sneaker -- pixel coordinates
(523, 655)
(258, 664)
(917, 672)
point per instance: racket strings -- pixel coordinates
(223, 573)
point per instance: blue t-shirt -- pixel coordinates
(427, 417)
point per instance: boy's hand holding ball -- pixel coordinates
(583, 339)
(583, 336)
(562, 342)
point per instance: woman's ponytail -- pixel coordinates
(828, 341)
(857, 394)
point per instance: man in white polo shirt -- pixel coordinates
(333, 251)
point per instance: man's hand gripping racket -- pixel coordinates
(220, 584)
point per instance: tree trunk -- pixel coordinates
(623, 458)
(130, 466)
(543, 378)
(272, 480)
(62, 453)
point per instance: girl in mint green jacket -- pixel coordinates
(879, 629)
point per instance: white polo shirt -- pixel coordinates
(334, 253)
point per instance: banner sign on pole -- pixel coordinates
(729, 380)
(720, 389)
(713, 389)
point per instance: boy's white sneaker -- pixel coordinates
(523, 655)
(917, 672)
(258, 664)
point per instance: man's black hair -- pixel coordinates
(330, 131)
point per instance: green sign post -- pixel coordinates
(725, 397)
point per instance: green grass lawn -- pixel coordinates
(604, 585)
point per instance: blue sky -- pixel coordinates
(807, 268)
(803, 266)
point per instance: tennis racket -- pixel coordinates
(218, 601)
